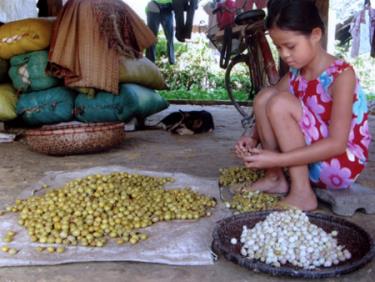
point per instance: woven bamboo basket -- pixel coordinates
(77, 138)
(353, 237)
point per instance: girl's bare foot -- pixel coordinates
(305, 201)
(272, 182)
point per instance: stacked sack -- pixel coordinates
(43, 99)
(8, 98)
(137, 97)
(17, 38)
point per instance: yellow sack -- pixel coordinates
(24, 36)
(8, 101)
(141, 71)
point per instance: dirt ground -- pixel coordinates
(199, 155)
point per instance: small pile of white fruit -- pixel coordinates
(289, 237)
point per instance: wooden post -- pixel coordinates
(54, 7)
(49, 8)
(323, 6)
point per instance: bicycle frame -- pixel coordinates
(273, 75)
(260, 63)
(256, 30)
(254, 51)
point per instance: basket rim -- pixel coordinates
(256, 265)
(74, 128)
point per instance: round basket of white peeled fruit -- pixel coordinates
(293, 243)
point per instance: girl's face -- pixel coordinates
(296, 49)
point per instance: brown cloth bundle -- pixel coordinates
(88, 39)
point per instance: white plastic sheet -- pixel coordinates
(12, 10)
(174, 242)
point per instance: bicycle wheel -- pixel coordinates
(238, 83)
(245, 73)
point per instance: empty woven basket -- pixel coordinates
(76, 138)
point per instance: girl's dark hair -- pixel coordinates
(294, 15)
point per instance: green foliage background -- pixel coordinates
(197, 75)
(364, 65)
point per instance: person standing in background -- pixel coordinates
(160, 12)
(184, 25)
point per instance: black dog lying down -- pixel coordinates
(187, 123)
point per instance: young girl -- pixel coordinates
(314, 121)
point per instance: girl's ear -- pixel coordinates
(316, 34)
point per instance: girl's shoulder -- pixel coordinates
(341, 75)
(335, 67)
(340, 72)
(338, 66)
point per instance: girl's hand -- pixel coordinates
(258, 158)
(243, 145)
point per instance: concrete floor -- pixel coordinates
(200, 155)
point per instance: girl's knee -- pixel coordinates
(263, 96)
(283, 103)
(276, 105)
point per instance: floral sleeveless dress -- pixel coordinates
(341, 171)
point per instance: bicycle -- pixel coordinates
(252, 51)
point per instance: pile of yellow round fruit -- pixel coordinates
(236, 179)
(91, 210)
(235, 175)
(253, 201)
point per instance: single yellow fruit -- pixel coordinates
(12, 251)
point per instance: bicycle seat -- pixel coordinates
(250, 17)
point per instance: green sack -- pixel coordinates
(4, 66)
(47, 107)
(8, 101)
(27, 72)
(141, 71)
(147, 102)
(132, 101)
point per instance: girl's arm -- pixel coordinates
(335, 144)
